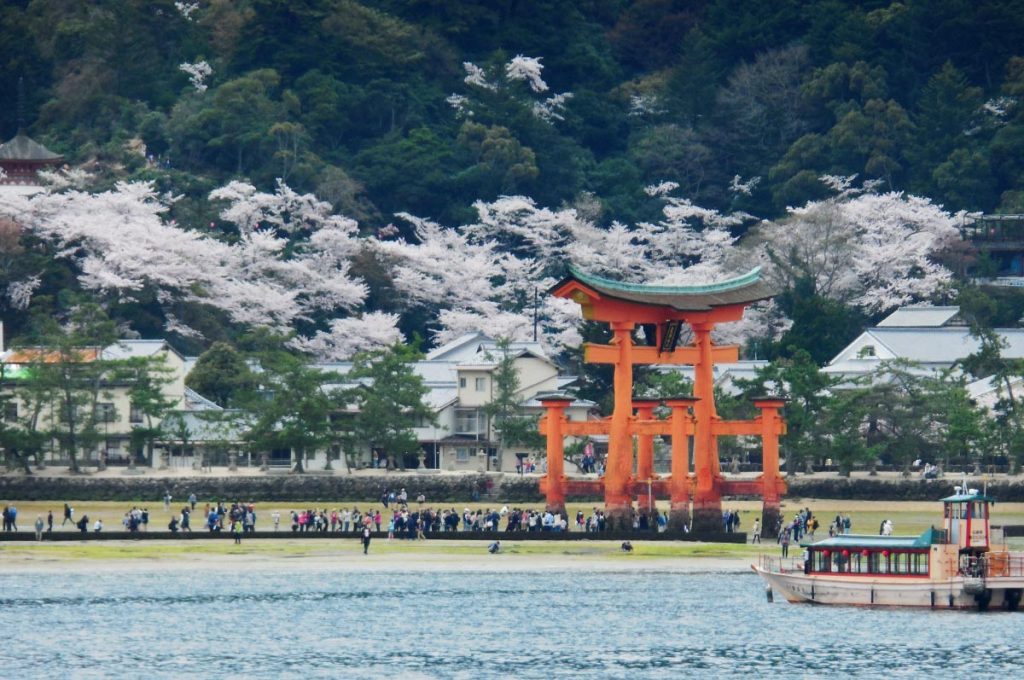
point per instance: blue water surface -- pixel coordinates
(328, 624)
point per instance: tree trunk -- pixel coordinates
(299, 469)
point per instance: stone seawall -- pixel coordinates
(840, 488)
(308, 487)
(436, 488)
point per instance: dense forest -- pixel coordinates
(434, 109)
(349, 98)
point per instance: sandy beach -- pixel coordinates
(347, 556)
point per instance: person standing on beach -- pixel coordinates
(366, 539)
(236, 529)
(192, 499)
(276, 517)
(49, 522)
(39, 527)
(784, 539)
(167, 501)
(13, 516)
(756, 531)
(185, 516)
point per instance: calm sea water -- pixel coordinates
(472, 625)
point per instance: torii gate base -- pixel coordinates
(633, 426)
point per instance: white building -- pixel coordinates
(935, 338)
(115, 413)
(460, 378)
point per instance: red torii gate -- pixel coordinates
(624, 306)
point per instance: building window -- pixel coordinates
(105, 413)
(135, 414)
(866, 352)
(462, 454)
(11, 412)
(481, 384)
(462, 383)
(469, 422)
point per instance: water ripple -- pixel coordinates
(462, 625)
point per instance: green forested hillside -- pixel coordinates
(347, 98)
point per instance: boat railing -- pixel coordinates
(1002, 564)
(780, 565)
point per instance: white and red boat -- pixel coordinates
(959, 566)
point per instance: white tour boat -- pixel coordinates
(958, 567)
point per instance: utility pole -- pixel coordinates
(535, 310)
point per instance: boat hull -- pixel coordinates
(948, 593)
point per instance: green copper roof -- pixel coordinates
(860, 541)
(739, 290)
(751, 277)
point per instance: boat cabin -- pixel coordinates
(966, 518)
(873, 555)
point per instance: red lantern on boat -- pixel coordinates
(865, 553)
(826, 552)
(885, 553)
(846, 553)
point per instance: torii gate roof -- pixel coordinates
(739, 290)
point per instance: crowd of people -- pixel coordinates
(400, 517)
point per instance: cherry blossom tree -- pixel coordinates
(290, 262)
(496, 86)
(872, 251)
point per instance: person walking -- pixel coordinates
(49, 522)
(13, 512)
(276, 517)
(785, 542)
(68, 515)
(39, 527)
(366, 539)
(192, 499)
(756, 531)
(236, 529)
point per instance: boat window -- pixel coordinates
(946, 510)
(979, 511)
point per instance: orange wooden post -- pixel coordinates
(645, 442)
(773, 487)
(619, 466)
(645, 458)
(707, 503)
(679, 515)
(554, 483)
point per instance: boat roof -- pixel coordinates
(929, 537)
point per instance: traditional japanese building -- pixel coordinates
(22, 158)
